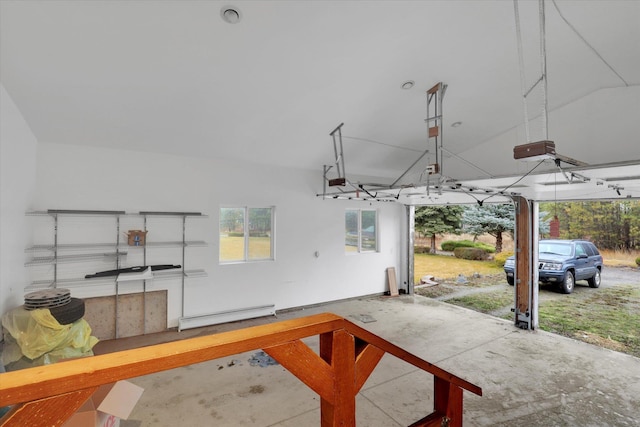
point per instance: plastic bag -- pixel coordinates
(38, 333)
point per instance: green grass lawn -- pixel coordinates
(232, 248)
(608, 317)
(448, 267)
(612, 314)
(485, 302)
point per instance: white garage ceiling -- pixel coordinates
(173, 77)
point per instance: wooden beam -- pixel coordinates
(302, 362)
(348, 354)
(48, 412)
(402, 354)
(59, 378)
(343, 364)
(448, 401)
(435, 419)
(366, 362)
(326, 406)
(393, 283)
(523, 256)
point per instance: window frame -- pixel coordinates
(359, 248)
(247, 235)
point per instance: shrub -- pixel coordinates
(638, 261)
(421, 249)
(500, 258)
(476, 254)
(487, 248)
(451, 245)
(235, 234)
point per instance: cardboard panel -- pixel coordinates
(108, 404)
(120, 399)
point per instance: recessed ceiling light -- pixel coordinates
(408, 84)
(230, 14)
(455, 124)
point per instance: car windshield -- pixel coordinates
(555, 248)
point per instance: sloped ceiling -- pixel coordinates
(173, 77)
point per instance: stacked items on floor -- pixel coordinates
(49, 327)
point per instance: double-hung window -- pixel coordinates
(246, 234)
(361, 230)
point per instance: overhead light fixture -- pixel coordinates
(455, 124)
(535, 151)
(408, 84)
(230, 14)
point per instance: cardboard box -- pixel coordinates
(136, 237)
(107, 406)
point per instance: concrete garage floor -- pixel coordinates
(528, 378)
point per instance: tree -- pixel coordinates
(631, 220)
(544, 220)
(434, 220)
(231, 218)
(260, 220)
(609, 224)
(490, 219)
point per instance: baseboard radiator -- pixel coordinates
(188, 322)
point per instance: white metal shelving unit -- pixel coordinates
(113, 253)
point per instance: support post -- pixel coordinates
(338, 349)
(448, 402)
(526, 267)
(411, 241)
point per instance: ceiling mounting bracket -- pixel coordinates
(336, 135)
(434, 99)
(434, 103)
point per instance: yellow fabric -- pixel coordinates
(38, 333)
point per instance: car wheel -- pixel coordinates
(567, 283)
(510, 280)
(69, 313)
(594, 282)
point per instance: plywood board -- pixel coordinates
(100, 313)
(393, 283)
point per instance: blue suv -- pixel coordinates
(563, 262)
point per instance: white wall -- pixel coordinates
(18, 148)
(73, 177)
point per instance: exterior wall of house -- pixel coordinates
(310, 264)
